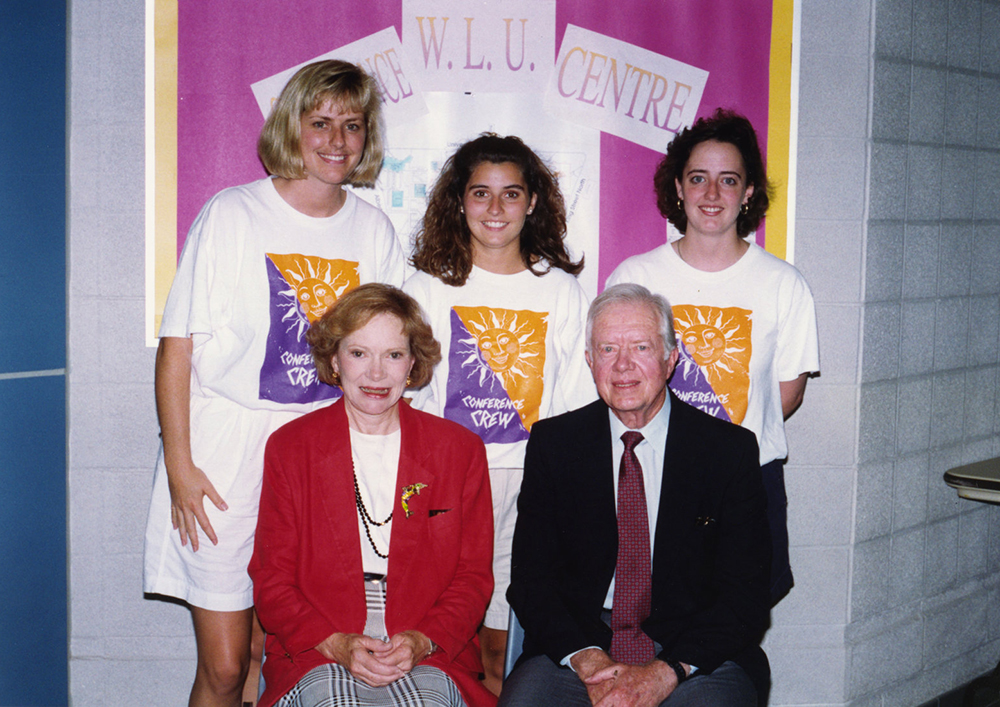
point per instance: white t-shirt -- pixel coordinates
(254, 274)
(744, 330)
(512, 350)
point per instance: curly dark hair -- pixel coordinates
(443, 246)
(723, 126)
(358, 307)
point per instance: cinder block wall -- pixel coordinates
(894, 600)
(924, 609)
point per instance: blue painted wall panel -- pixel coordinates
(33, 561)
(33, 185)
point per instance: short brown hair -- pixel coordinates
(279, 146)
(723, 126)
(355, 309)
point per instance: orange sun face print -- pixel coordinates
(718, 339)
(314, 284)
(511, 345)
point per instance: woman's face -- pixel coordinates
(373, 363)
(713, 188)
(495, 203)
(332, 142)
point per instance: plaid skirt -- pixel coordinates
(332, 685)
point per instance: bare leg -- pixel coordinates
(493, 644)
(223, 639)
(251, 687)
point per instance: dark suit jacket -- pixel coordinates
(306, 565)
(711, 555)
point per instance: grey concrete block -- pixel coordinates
(883, 659)
(916, 354)
(877, 424)
(123, 252)
(818, 196)
(85, 253)
(989, 116)
(963, 108)
(987, 183)
(823, 431)
(842, 29)
(946, 425)
(955, 259)
(989, 56)
(963, 33)
(873, 506)
(930, 31)
(880, 352)
(958, 199)
(870, 578)
(909, 491)
(819, 597)
(923, 182)
(920, 260)
(130, 361)
(839, 336)
(891, 99)
(823, 112)
(887, 191)
(797, 679)
(980, 401)
(973, 544)
(819, 505)
(951, 333)
(941, 562)
(126, 496)
(914, 427)
(828, 254)
(85, 341)
(906, 567)
(951, 630)
(884, 261)
(129, 426)
(927, 104)
(985, 278)
(984, 330)
(893, 28)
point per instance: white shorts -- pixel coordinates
(505, 485)
(227, 443)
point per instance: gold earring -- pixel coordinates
(335, 378)
(680, 204)
(409, 382)
(745, 208)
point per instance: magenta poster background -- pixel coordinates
(226, 45)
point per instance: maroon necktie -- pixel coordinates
(633, 572)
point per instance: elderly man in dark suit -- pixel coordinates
(641, 552)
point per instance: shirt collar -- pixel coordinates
(655, 430)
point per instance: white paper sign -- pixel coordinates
(379, 54)
(623, 89)
(497, 47)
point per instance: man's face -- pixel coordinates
(627, 362)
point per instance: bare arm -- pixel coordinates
(188, 483)
(792, 393)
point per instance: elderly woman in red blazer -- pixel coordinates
(372, 558)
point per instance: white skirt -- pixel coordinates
(227, 443)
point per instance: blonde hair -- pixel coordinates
(346, 84)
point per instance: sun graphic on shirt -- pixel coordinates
(503, 343)
(314, 284)
(718, 339)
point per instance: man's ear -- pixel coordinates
(672, 361)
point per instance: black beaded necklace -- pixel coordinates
(366, 518)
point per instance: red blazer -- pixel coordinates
(306, 565)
